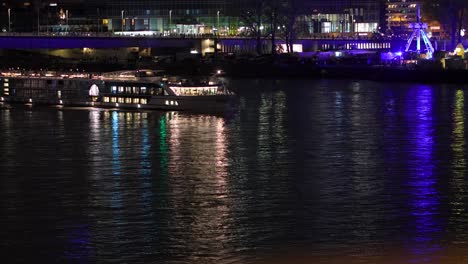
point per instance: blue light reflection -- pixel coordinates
(424, 198)
(79, 249)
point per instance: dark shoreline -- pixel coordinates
(269, 71)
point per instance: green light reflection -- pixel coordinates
(458, 152)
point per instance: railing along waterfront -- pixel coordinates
(137, 34)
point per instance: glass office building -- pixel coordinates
(172, 16)
(341, 16)
(224, 16)
(189, 17)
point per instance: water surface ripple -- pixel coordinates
(331, 170)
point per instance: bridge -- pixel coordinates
(197, 42)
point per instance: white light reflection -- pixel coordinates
(364, 163)
(198, 161)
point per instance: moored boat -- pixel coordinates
(140, 89)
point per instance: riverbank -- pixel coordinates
(259, 67)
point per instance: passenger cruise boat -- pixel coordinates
(140, 89)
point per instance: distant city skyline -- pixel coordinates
(202, 16)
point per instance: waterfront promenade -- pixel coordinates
(64, 40)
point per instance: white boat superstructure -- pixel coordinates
(140, 89)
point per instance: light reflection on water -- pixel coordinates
(421, 164)
(458, 215)
(350, 169)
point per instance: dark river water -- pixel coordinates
(312, 171)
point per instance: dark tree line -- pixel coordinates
(273, 20)
(450, 13)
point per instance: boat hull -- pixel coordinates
(180, 103)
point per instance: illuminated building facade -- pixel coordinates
(183, 16)
(400, 14)
(47, 16)
(342, 16)
(172, 16)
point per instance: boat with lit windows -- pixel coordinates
(139, 89)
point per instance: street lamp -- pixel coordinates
(217, 24)
(122, 12)
(170, 19)
(66, 17)
(9, 19)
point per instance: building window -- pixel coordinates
(136, 100)
(143, 101)
(128, 100)
(106, 99)
(114, 89)
(113, 99)
(121, 100)
(121, 89)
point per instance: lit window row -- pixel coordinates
(195, 91)
(124, 100)
(128, 89)
(170, 102)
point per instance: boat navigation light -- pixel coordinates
(60, 102)
(116, 104)
(30, 100)
(218, 71)
(139, 105)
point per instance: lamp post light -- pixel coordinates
(9, 19)
(122, 13)
(98, 20)
(170, 19)
(217, 24)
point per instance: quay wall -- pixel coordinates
(202, 45)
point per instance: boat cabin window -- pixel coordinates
(195, 91)
(156, 91)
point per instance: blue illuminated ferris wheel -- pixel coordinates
(418, 34)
